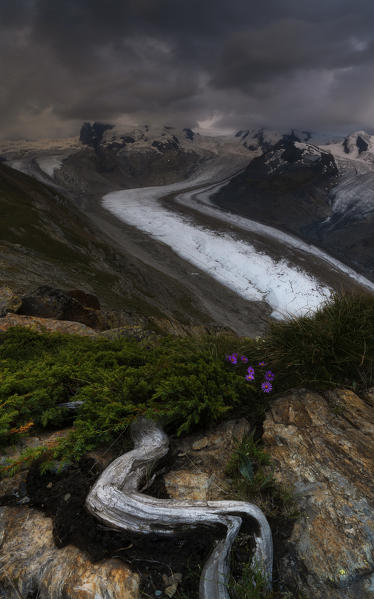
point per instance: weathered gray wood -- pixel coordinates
(115, 500)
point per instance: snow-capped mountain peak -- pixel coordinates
(357, 143)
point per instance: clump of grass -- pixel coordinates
(252, 584)
(250, 471)
(248, 467)
(252, 479)
(333, 347)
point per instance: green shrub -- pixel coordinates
(184, 382)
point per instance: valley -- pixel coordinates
(228, 230)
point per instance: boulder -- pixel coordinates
(323, 447)
(31, 565)
(45, 324)
(75, 305)
(9, 301)
(46, 302)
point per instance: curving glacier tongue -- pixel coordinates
(235, 263)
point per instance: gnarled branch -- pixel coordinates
(115, 500)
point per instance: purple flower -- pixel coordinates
(261, 364)
(233, 359)
(266, 387)
(250, 370)
(269, 376)
(250, 377)
(244, 359)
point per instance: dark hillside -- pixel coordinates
(44, 237)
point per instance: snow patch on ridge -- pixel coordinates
(49, 164)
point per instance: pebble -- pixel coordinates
(67, 497)
(49, 486)
(24, 500)
(171, 590)
(171, 583)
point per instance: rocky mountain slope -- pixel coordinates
(322, 193)
(44, 239)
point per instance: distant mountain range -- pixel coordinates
(104, 158)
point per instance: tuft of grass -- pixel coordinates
(250, 471)
(251, 478)
(333, 347)
(252, 584)
(248, 467)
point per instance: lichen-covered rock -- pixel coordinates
(324, 448)
(45, 324)
(31, 565)
(200, 461)
(9, 301)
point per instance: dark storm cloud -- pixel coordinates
(277, 63)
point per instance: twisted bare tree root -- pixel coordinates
(115, 500)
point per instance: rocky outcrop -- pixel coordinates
(32, 566)
(323, 447)
(91, 135)
(74, 305)
(9, 301)
(79, 306)
(45, 324)
(112, 324)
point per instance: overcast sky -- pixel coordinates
(225, 64)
